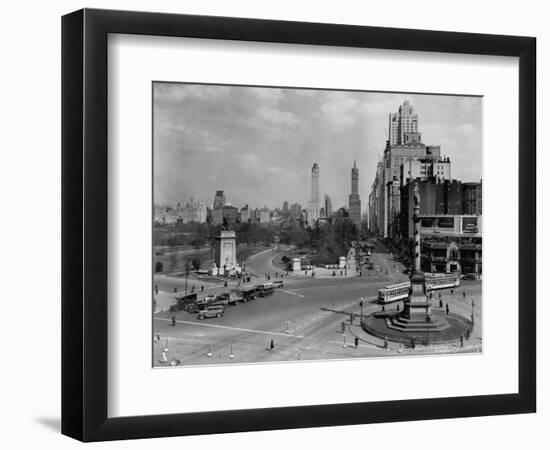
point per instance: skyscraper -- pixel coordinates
(405, 157)
(285, 207)
(328, 206)
(219, 199)
(354, 199)
(403, 125)
(313, 210)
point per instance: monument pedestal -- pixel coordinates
(417, 312)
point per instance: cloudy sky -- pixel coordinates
(259, 144)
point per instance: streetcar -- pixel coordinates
(394, 292)
(442, 281)
(400, 291)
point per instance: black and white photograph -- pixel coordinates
(297, 224)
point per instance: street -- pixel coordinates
(303, 320)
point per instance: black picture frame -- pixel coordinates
(84, 224)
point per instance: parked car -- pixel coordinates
(266, 291)
(278, 284)
(211, 311)
(469, 276)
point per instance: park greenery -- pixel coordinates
(323, 244)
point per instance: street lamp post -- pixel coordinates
(186, 274)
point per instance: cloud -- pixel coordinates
(338, 110)
(258, 144)
(276, 116)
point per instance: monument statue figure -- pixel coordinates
(416, 195)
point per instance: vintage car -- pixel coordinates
(211, 311)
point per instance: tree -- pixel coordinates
(196, 263)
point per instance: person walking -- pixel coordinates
(173, 321)
(202, 288)
(463, 295)
(447, 308)
(356, 342)
(271, 345)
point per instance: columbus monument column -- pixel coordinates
(417, 306)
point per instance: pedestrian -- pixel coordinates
(452, 291)
(276, 274)
(383, 308)
(462, 341)
(158, 336)
(175, 289)
(447, 308)
(440, 303)
(202, 288)
(268, 277)
(225, 284)
(343, 326)
(356, 342)
(464, 295)
(156, 289)
(440, 295)
(398, 307)
(173, 321)
(341, 273)
(468, 333)
(271, 345)
(473, 303)
(413, 343)
(385, 342)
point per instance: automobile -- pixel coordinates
(220, 299)
(278, 284)
(266, 291)
(370, 266)
(469, 276)
(211, 311)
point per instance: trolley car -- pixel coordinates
(400, 291)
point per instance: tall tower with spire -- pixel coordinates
(314, 203)
(354, 199)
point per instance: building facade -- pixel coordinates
(405, 158)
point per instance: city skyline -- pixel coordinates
(244, 140)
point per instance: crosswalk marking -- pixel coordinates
(200, 324)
